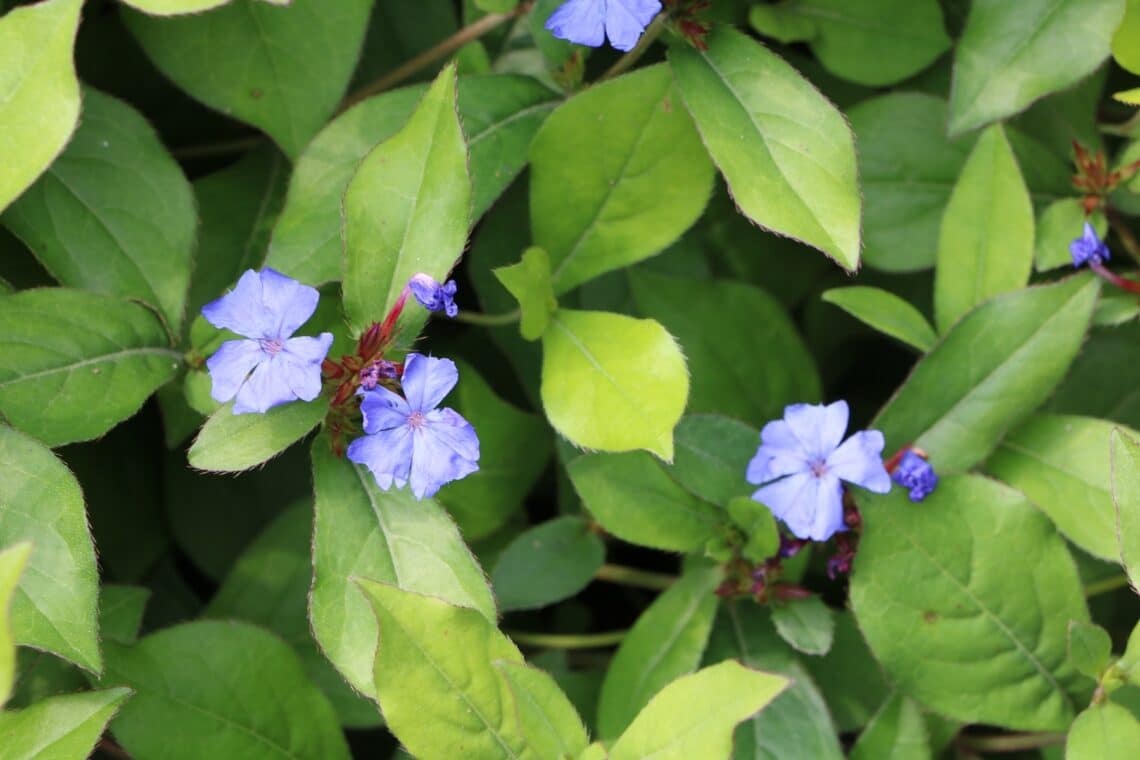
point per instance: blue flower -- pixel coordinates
(589, 22)
(915, 474)
(801, 463)
(433, 296)
(410, 441)
(271, 367)
(1089, 248)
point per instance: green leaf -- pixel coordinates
(406, 208)
(282, 70)
(231, 442)
(1115, 307)
(442, 696)
(1103, 732)
(851, 681)
(40, 106)
(121, 612)
(695, 715)
(897, 732)
(986, 244)
(712, 454)
(617, 174)
(13, 559)
(613, 383)
(547, 563)
(666, 642)
(96, 359)
(797, 723)
(64, 727)
(1059, 223)
(1061, 463)
(363, 532)
(238, 690)
(1126, 40)
(759, 526)
(1011, 54)
(1125, 460)
(529, 282)
(180, 7)
(989, 372)
(807, 624)
(908, 168)
(732, 373)
(873, 43)
(114, 213)
(786, 152)
(633, 498)
(549, 722)
(937, 572)
(886, 312)
(1090, 648)
(40, 501)
(514, 449)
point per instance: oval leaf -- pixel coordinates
(712, 454)
(546, 564)
(807, 624)
(231, 442)
(886, 312)
(1104, 731)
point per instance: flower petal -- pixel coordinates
(308, 349)
(435, 462)
(267, 387)
(818, 428)
(241, 310)
(626, 21)
(288, 302)
(459, 435)
(427, 380)
(772, 462)
(387, 455)
(859, 461)
(383, 410)
(230, 366)
(579, 21)
(811, 507)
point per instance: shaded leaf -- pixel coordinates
(547, 563)
(886, 312)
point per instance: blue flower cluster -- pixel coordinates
(408, 439)
(589, 22)
(1089, 248)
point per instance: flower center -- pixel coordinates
(271, 347)
(819, 468)
(416, 420)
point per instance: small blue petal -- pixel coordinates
(1088, 248)
(427, 380)
(860, 461)
(268, 386)
(916, 475)
(383, 410)
(818, 428)
(582, 22)
(627, 19)
(387, 455)
(433, 296)
(230, 366)
(811, 507)
(442, 452)
(264, 305)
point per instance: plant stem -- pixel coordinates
(1009, 742)
(446, 47)
(222, 148)
(568, 640)
(651, 33)
(488, 320)
(631, 576)
(1104, 585)
(1132, 286)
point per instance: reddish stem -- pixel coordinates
(1121, 282)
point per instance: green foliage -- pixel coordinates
(1089, 648)
(886, 312)
(1125, 459)
(807, 624)
(529, 282)
(231, 442)
(60, 728)
(547, 564)
(1103, 732)
(12, 563)
(897, 732)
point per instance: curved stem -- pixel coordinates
(1009, 742)
(656, 26)
(568, 640)
(1104, 585)
(631, 576)
(1132, 286)
(488, 320)
(446, 47)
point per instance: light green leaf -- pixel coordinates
(938, 572)
(633, 498)
(907, 167)
(874, 43)
(40, 102)
(442, 696)
(613, 383)
(363, 532)
(666, 642)
(229, 689)
(886, 312)
(64, 727)
(1103, 732)
(759, 527)
(1011, 54)
(986, 244)
(96, 359)
(549, 722)
(54, 605)
(712, 454)
(1131, 97)
(1061, 463)
(1090, 647)
(529, 282)
(695, 715)
(807, 624)
(732, 371)
(13, 559)
(897, 732)
(1115, 307)
(1125, 459)
(547, 563)
(786, 152)
(797, 723)
(1059, 223)
(617, 173)
(1126, 40)
(406, 208)
(281, 69)
(180, 7)
(231, 442)
(989, 372)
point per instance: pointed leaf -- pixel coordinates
(64, 727)
(1103, 732)
(786, 152)
(547, 563)
(1089, 648)
(529, 282)
(886, 312)
(1125, 458)
(40, 105)
(12, 562)
(807, 624)
(1126, 40)
(231, 442)
(548, 720)
(897, 732)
